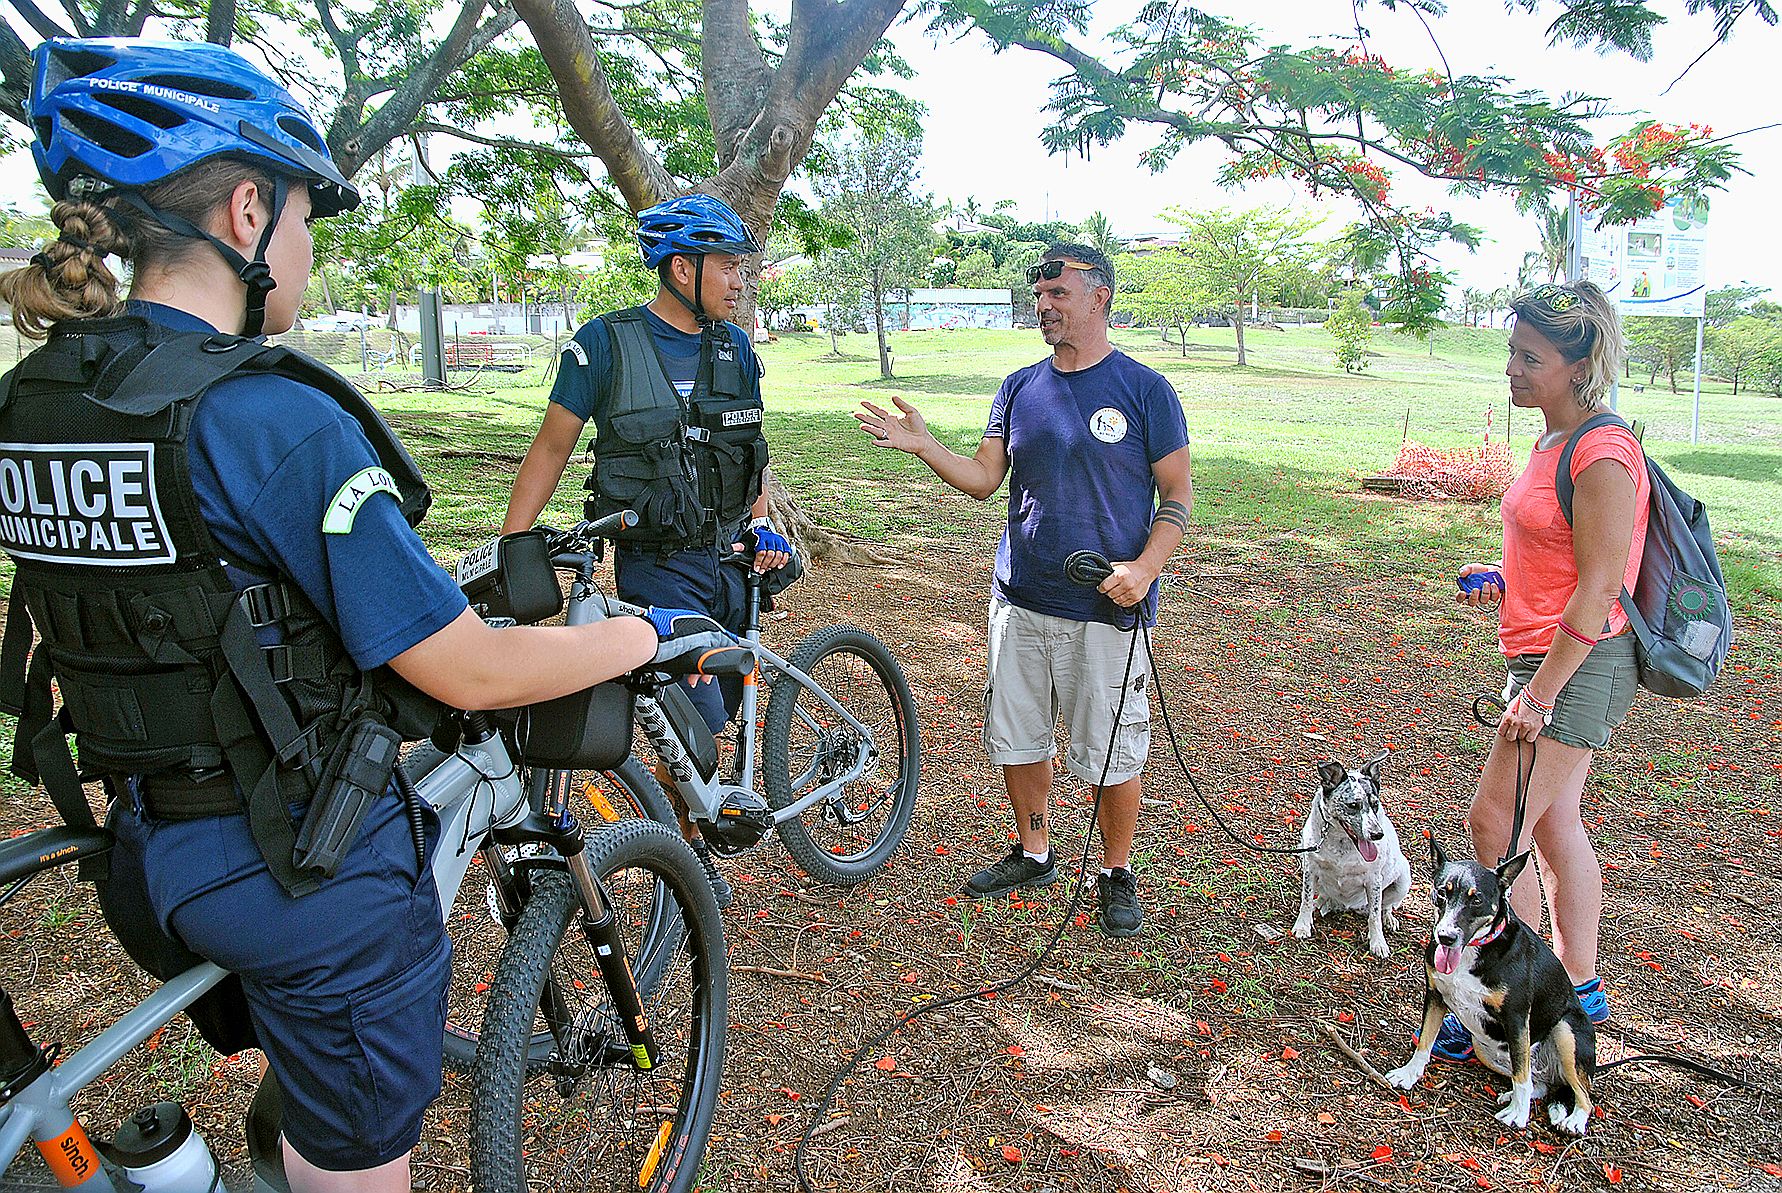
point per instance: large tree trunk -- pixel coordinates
(1237, 321)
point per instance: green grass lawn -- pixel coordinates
(1279, 446)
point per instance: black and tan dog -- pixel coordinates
(1502, 981)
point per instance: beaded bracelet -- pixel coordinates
(1546, 710)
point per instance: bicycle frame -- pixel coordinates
(453, 783)
(705, 796)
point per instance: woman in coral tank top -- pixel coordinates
(1561, 628)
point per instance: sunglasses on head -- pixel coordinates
(1053, 270)
(1557, 299)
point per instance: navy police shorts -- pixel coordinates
(346, 986)
(690, 580)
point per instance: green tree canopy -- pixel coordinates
(871, 192)
(1340, 119)
(1237, 256)
(1162, 289)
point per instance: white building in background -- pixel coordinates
(931, 310)
(493, 319)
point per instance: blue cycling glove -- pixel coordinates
(764, 538)
(684, 637)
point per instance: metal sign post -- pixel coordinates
(1695, 414)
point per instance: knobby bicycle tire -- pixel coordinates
(628, 791)
(589, 1118)
(803, 735)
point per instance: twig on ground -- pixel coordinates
(771, 972)
(1360, 1061)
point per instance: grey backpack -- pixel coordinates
(1678, 610)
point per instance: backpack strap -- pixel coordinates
(1563, 485)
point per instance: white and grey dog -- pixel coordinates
(1353, 860)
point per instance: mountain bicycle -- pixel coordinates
(603, 1034)
(840, 752)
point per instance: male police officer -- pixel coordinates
(675, 394)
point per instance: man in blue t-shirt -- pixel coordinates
(1096, 451)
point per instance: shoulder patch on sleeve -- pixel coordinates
(343, 510)
(575, 349)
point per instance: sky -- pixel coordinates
(982, 126)
(983, 121)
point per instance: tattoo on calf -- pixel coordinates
(1035, 821)
(1174, 513)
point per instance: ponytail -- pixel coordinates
(68, 278)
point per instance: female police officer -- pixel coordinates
(214, 544)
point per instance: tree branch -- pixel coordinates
(825, 46)
(15, 74)
(77, 18)
(557, 151)
(568, 49)
(397, 112)
(734, 71)
(219, 23)
(39, 20)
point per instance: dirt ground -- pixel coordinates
(1192, 1056)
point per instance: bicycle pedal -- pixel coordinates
(743, 820)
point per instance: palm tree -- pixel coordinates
(1556, 241)
(1098, 231)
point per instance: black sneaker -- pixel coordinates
(1015, 870)
(720, 888)
(1117, 894)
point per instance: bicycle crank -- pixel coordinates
(743, 820)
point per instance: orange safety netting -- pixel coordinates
(1452, 474)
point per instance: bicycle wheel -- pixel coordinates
(590, 1118)
(850, 834)
(479, 929)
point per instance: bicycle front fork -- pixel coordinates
(560, 830)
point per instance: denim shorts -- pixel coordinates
(1595, 700)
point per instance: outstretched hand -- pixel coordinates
(906, 433)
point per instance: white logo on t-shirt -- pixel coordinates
(1108, 425)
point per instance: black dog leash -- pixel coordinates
(1080, 568)
(1090, 568)
(1483, 704)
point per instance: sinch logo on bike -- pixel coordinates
(555, 662)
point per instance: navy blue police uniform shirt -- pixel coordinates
(1080, 447)
(586, 368)
(270, 460)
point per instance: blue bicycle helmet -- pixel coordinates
(130, 113)
(691, 225)
(114, 116)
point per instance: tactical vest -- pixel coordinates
(164, 669)
(690, 467)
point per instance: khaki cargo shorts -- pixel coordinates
(1042, 666)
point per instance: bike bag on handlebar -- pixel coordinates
(512, 576)
(585, 730)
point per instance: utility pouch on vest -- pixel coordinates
(357, 773)
(648, 469)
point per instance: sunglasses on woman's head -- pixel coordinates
(1053, 270)
(1557, 299)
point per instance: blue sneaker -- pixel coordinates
(1453, 1043)
(1594, 999)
